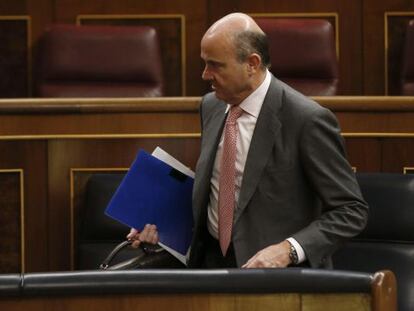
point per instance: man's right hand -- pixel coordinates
(148, 235)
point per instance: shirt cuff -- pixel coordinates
(298, 248)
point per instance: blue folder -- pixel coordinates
(152, 192)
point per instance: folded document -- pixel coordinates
(156, 192)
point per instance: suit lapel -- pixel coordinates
(214, 132)
(267, 127)
(211, 138)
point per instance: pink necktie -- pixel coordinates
(226, 200)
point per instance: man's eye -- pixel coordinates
(214, 65)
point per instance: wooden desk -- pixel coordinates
(222, 290)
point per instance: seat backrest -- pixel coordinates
(302, 54)
(388, 240)
(97, 234)
(99, 61)
(407, 72)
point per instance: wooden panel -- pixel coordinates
(373, 47)
(284, 302)
(11, 221)
(202, 302)
(373, 116)
(22, 42)
(171, 34)
(14, 56)
(125, 123)
(364, 154)
(30, 157)
(42, 14)
(397, 154)
(99, 116)
(337, 302)
(55, 118)
(12, 7)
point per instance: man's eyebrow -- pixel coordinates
(213, 62)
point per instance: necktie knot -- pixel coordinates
(234, 113)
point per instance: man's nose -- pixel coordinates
(206, 75)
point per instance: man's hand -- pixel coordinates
(273, 256)
(148, 235)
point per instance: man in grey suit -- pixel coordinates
(296, 199)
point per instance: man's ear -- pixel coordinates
(254, 61)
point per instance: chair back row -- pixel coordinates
(125, 61)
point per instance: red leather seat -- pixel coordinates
(407, 73)
(99, 61)
(302, 54)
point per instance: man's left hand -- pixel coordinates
(273, 256)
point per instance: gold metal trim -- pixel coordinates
(186, 105)
(28, 20)
(100, 136)
(335, 15)
(72, 206)
(150, 16)
(22, 223)
(386, 42)
(379, 135)
(408, 169)
(178, 135)
(20, 171)
(29, 58)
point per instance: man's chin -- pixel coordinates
(219, 95)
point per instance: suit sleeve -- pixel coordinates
(344, 212)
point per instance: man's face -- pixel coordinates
(228, 77)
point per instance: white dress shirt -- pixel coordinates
(245, 125)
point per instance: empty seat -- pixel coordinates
(302, 54)
(98, 234)
(99, 61)
(388, 240)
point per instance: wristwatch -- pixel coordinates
(293, 255)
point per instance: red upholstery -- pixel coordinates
(407, 77)
(99, 61)
(302, 54)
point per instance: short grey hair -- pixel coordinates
(247, 42)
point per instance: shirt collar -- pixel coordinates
(253, 103)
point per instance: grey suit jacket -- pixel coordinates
(296, 182)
